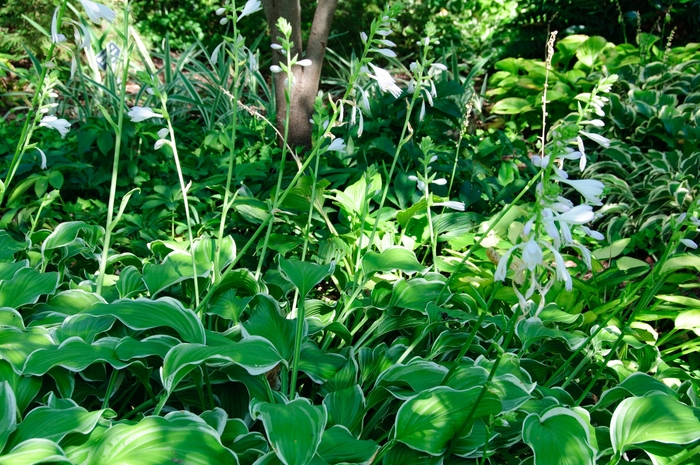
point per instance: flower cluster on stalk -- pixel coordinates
(554, 219)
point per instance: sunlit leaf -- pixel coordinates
(559, 437)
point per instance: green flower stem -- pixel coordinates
(117, 152)
(110, 387)
(232, 152)
(603, 366)
(28, 128)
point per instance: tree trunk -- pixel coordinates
(306, 79)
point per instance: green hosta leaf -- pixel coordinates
(432, 418)
(304, 275)
(531, 330)
(393, 258)
(339, 446)
(255, 354)
(559, 437)
(628, 263)
(8, 412)
(417, 293)
(35, 451)
(294, 429)
(638, 385)
(176, 267)
(611, 251)
(11, 317)
(84, 326)
(679, 262)
(157, 441)
(24, 388)
(67, 233)
(228, 306)
(689, 320)
(54, 424)
(9, 246)
(205, 252)
(129, 348)
(74, 354)
(142, 313)
(657, 418)
(511, 106)
(319, 366)
(587, 53)
(26, 287)
(346, 407)
(130, 282)
(8, 270)
(16, 344)
(72, 301)
(267, 322)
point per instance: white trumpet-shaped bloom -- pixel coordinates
(56, 38)
(338, 145)
(385, 81)
(96, 11)
(251, 6)
(60, 125)
(590, 189)
(138, 114)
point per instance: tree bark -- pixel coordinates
(306, 79)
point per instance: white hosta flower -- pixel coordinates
(96, 11)
(502, 267)
(215, 54)
(275, 69)
(163, 133)
(138, 114)
(421, 115)
(56, 38)
(419, 184)
(459, 206)
(276, 47)
(532, 254)
(580, 214)
(440, 182)
(603, 141)
(43, 158)
(562, 272)
(223, 21)
(595, 122)
(384, 51)
(251, 6)
(160, 143)
(439, 67)
(594, 234)
(385, 81)
(363, 37)
(305, 62)
(590, 189)
(220, 11)
(338, 145)
(689, 243)
(60, 125)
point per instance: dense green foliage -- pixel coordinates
(419, 287)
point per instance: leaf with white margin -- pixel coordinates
(142, 313)
(158, 440)
(658, 417)
(26, 286)
(35, 451)
(8, 412)
(559, 437)
(255, 354)
(73, 354)
(432, 418)
(295, 429)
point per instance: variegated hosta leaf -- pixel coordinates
(294, 429)
(156, 440)
(559, 437)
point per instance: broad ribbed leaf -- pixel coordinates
(8, 269)
(432, 418)
(17, 344)
(304, 275)
(393, 258)
(339, 446)
(84, 326)
(8, 246)
(637, 384)
(67, 233)
(346, 407)
(24, 388)
(11, 317)
(267, 322)
(657, 418)
(157, 441)
(294, 429)
(417, 293)
(559, 437)
(255, 354)
(54, 424)
(35, 451)
(176, 267)
(130, 282)
(8, 412)
(129, 348)
(511, 106)
(73, 354)
(532, 330)
(144, 313)
(26, 287)
(71, 301)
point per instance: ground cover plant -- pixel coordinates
(458, 268)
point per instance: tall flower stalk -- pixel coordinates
(553, 218)
(117, 127)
